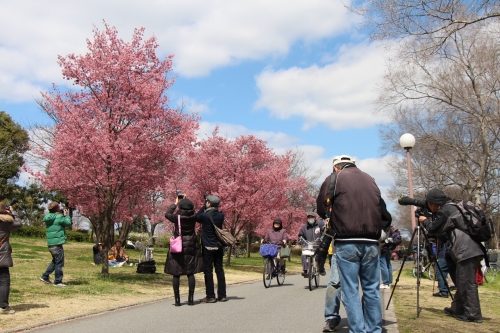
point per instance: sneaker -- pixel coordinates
(45, 281)
(443, 294)
(385, 286)
(468, 318)
(7, 310)
(323, 273)
(331, 324)
(60, 284)
(304, 274)
(120, 264)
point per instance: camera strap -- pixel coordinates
(4, 238)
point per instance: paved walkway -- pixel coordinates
(251, 308)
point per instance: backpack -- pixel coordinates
(147, 267)
(479, 227)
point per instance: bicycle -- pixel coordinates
(272, 266)
(308, 250)
(238, 252)
(147, 251)
(424, 266)
(492, 271)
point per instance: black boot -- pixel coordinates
(177, 297)
(190, 297)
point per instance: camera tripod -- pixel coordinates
(433, 259)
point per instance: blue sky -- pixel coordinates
(297, 74)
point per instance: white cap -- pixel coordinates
(343, 159)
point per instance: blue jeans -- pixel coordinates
(360, 262)
(56, 264)
(386, 267)
(333, 294)
(444, 269)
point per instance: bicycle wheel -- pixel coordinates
(418, 269)
(310, 271)
(267, 273)
(281, 275)
(243, 253)
(492, 273)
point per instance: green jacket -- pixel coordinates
(56, 222)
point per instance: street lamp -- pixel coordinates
(407, 141)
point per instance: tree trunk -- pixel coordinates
(249, 238)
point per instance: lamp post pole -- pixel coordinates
(407, 141)
(410, 185)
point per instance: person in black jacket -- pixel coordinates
(189, 261)
(465, 253)
(213, 252)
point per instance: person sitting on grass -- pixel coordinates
(119, 256)
(98, 254)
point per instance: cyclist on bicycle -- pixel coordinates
(277, 236)
(312, 231)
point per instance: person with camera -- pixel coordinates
(9, 221)
(466, 254)
(352, 200)
(277, 236)
(388, 245)
(213, 251)
(190, 260)
(311, 231)
(56, 221)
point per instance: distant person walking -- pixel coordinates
(8, 222)
(56, 222)
(190, 260)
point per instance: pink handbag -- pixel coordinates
(176, 242)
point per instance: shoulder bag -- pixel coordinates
(176, 242)
(223, 235)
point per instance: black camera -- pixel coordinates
(11, 203)
(423, 209)
(179, 194)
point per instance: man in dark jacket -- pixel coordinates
(8, 222)
(213, 252)
(56, 223)
(464, 252)
(356, 222)
(312, 231)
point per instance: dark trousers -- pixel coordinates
(4, 286)
(466, 301)
(56, 264)
(211, 259)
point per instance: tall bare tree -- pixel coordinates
(450, 101)
(433, 20)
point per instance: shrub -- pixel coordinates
(39, 232)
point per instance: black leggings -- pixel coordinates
(191, 281)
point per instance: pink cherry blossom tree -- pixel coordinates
(254, 183)
(115, 137)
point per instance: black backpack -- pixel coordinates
(479, 227)
(147, 267)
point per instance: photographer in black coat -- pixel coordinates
(213, 251)
(189, 261)
(465, 254)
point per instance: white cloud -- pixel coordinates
(203, 34)
(338, 95)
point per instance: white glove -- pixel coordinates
(388, 240)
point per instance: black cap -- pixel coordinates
(278, 221)
(185, 204)
(436, 196)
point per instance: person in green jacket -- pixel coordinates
(56, 221)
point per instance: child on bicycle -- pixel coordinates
(277, 236)
(312, 231)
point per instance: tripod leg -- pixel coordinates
(410, 247)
